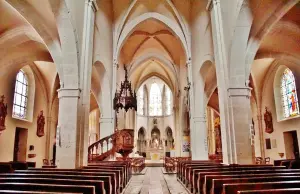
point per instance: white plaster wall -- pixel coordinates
(282, 126)
(7, 137)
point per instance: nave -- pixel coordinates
(155, 182)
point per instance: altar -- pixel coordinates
(154, 154)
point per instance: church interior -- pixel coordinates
(149, 96)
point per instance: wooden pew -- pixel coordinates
(233, 188)
(182, 164)
(106, 179)
(32, 192)
(48, 188)
(202, 175)
(123, 174)
(207, 186)
(114, 182)
(97, 184)
(125, 164)
(217, 185)
(272, 191)
(193, 177)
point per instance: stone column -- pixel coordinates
(261, 133)
(106, 127)
(114, 87)
(222, 76)
(85, 77)
(234, 99)
(199, 139)
(240, 124)
(67, 145)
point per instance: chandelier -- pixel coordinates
(125, 98)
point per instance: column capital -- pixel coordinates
(68, 93)
(239, 92)
(211, 4)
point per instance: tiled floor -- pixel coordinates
(154, 182)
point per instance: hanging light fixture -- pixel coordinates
(125, 98)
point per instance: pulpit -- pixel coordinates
(124, 142)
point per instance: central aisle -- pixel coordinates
(154, 182)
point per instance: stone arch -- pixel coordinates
(61, 43)
(255, 39)
(129, 27)
(101, 88)
(180, 20)
(171, 66)
(163, 78)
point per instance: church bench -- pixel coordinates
(184, 168)
(233, 188)
(121, 179)
(181, 164)
(217, 184)
(272, 191)
(199, 178)
(48, 188)
(124, 172)
(5, 167)
(126, 165)
(207, 185)
(98, 184)
(193, 176)
(187, 167)
(106, 179)
(114, 181)
(33, 192)
(278, 162)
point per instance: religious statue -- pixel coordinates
(154, 121)
(40, 124)
(3, 113)
(268, 121)
(218, 136)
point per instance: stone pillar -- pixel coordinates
(222, 76)
(199, 139)
(240, 124)
(113, 90)
(261, 134)
(67, 145)
(106, 127)
(234, 100)
(85, 77)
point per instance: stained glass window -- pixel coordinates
(168, 101)
(20, 96)
(155, 102)
(289, 94)
(141, 101)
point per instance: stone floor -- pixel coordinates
(154, 182)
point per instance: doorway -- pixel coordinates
(20, 146)
(291, 144)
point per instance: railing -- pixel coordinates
(101, 149)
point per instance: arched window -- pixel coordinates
(20, 96)
(155, 105)
(168, 100)
(289, 94)
(141, 103)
